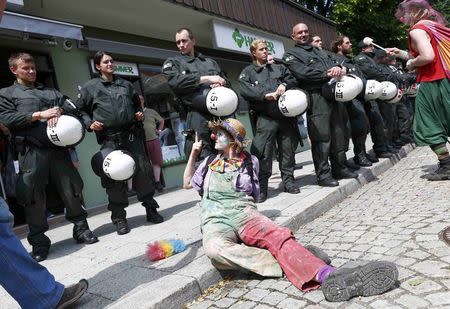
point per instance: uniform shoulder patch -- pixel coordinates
(289, 58)
(242, 76)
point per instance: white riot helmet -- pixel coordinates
(293, 102)
(358, 81)
(118, 165)
(221, 101)
(68, 131)
(343, 90)
(397, 98)
(373, 90)
(389, 91)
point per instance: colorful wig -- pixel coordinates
(410, 12)
(162, 249)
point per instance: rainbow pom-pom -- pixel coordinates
(162, 249)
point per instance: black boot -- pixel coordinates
(82, 233)
(352, 166)
(442, 173)
(72, 293)
(262, 197)
(291, 188)
(362, 160)
(121, 226)
(344, 173)
(328, 182)
(372, 158)
(39, 253)
(153, 215)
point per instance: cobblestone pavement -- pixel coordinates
(396, 218)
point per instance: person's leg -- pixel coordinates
(144, 180)
(263, 147)
(29, 283)
(287, 141)
(377, 131)
(299, 265)
(318, 119)
(30, 192)
(220, 245)
(68, 183)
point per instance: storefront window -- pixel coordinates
(159, 97)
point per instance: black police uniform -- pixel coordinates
(356, 114)
(309, 66)
(115, 103)
(371, 70)
(271, 126)
(183, 73)
(40, 161)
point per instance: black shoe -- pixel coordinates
(121, 226)
(442, 173)
(292, 189)
(319, 253)
(72, 294)
(385, 154)
(82, 233)
(362, 160)
(371, 158)
(344, 174)
(372, 278)
(153, 215)
(328, 182)
(352, 166)
(262, 197)
(39, 253)
(159, 187)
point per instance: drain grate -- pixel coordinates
(446, 235)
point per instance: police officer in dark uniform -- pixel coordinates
(359, 123)
(112, 109)
(365, 62)
(26, 108)
(188, 73)
(262, 84)
(312, 68)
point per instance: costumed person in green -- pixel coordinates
(261, 85)
(27, 108)
(112, 109)
(429, 45)
(237, 236)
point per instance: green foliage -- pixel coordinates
(443, 6)
(372, 18)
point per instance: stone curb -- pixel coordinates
(184, 285)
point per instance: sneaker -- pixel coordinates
(72, 293)
(368, 279)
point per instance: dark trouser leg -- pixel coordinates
(339, 137)
(287, 141)
(34, 173)
(388, 113)
(404, 124)
(359, 126)
(198, 122)
(318, 118)
(68, 184)
(263, 146)
(377, 131)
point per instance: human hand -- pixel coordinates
(50, 113)
(96, 126)
(139, 116)
(272, 96)
(216, 81)
(281, 89)
(334, 72)
(197, 146)
(52, 122)
(410, 65)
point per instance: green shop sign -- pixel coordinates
(231, 37)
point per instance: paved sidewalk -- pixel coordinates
(119, 274)
(398, 218)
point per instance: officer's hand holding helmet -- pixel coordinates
(218, 101)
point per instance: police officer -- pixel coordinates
(365, 62)
(188, 73)
(111, 108)
(262, 84)
(25, 108)
(359, 123)
(312, 69)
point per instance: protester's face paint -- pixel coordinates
(222, 140)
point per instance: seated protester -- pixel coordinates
(237, 236)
